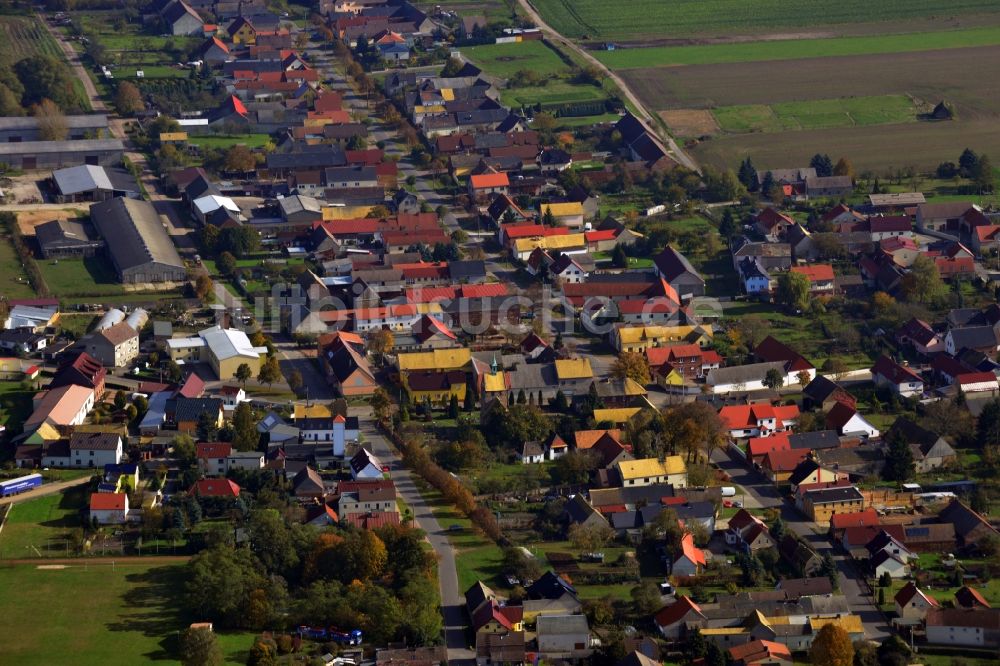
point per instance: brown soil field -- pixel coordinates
(968, 78)
(923, 145)
(28, 220)
(689, 123)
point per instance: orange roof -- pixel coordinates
(815, 273)
(677, 611)
(786, 412)
(213, 450)
(784, 461)
(485, 180)
(107, 501)
(761, 446)
(854, 519)
(586, 439)
(759, 651)
(691, 551)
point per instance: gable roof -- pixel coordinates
(910, 591)
(672, 264)
(677, 611)
(968, 597)
(215, 488)
(894, 372)
(108, 501)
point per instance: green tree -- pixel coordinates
(208, 427)
(245, 435)
(774, 379)
(988, 426)
(823, 164)
(46, 77)
(748, 175)
(983, 175)
(899, 458)
(967, 163)
(829, 569)
(199, 647)
(793, 290)
(646, 598)
(922, 283)
(295, 381)
(381, 404)
(727, 226)
(183, 449)
(120, 399)
(243, 373)
(239, 158)
(453, 407)
(560, 403)
(270, 371)
(263, 652)
(548, 219)
(619, 259)
(226, 262)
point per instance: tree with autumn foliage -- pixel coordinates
(832, 647)
(692, 427)
(633, 366)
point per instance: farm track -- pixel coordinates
(644, 115)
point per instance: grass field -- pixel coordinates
(23, 36)
(13, 280)
(15, 404)
(797, 49)
(38, 527)
(226, 141)
(645, 19)
(97, 614)
(92, 276)
(816, 114)
(505, 60)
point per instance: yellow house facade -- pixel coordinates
(651, 471)
(641, 338)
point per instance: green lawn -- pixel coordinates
(504, 60)
(555, 91)
(227, 141)
(707, 54)
(38, 527)
(93, 276)
(816, 114)
(97, 614)
(76, 324)
(13, 280)
(15, 405)
(150, 72)
(584, 121)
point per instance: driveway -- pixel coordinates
(452, 599)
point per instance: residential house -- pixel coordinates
(820, 276)
(673, 619)
(568, 214)
(115, 347)
(920, 336)
(930, 450)
(979, 338)
(563, 637)
(820, 505)
(970, 527)
(942, 217)
(691, 560)
(188, 412)
(65, 405)
(800, 556)
(649, 471)
(846, 420)
(758, 419)
(748, 532)
(898, 378)
(772, 223)
(742, 378)
(675, 268)
(224, 349)
(109, 508)
(968, 627)
(754, 277)
(912, 603)
(824, 393)
(222, 488)
(760, 653)
(181, 20)
(365, 465)
(308, 484)
(213, 457)
(884, 562)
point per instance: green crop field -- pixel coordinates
(23, 36)
(709, 54)
(80, 277)
(656, 19)
(97, 614)
(503, 60)
(816, 114)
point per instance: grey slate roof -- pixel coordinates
(133, 233)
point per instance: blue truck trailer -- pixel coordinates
(20, 484)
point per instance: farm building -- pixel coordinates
(60, 239)
(93, 183)
(18, 129)
(29, 155)
(138, 245)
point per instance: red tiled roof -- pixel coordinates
(485, 180)
(691, 551)
(107, 501)
(761, 446)
(373, 520)
(677, 611)
(213, 449)
(215, 488)
(784, 461)
(894, 372)
(976, 378)
(515, 231)
(815, 272)
(841, 521)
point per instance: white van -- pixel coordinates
(728, 491)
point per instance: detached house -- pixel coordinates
(912, 604)
(900, 379)
(675, 268)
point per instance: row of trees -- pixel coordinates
(27, 82)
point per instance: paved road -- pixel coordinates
(45, 489)
(763, 494)
(644, 115)
(452, 600)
